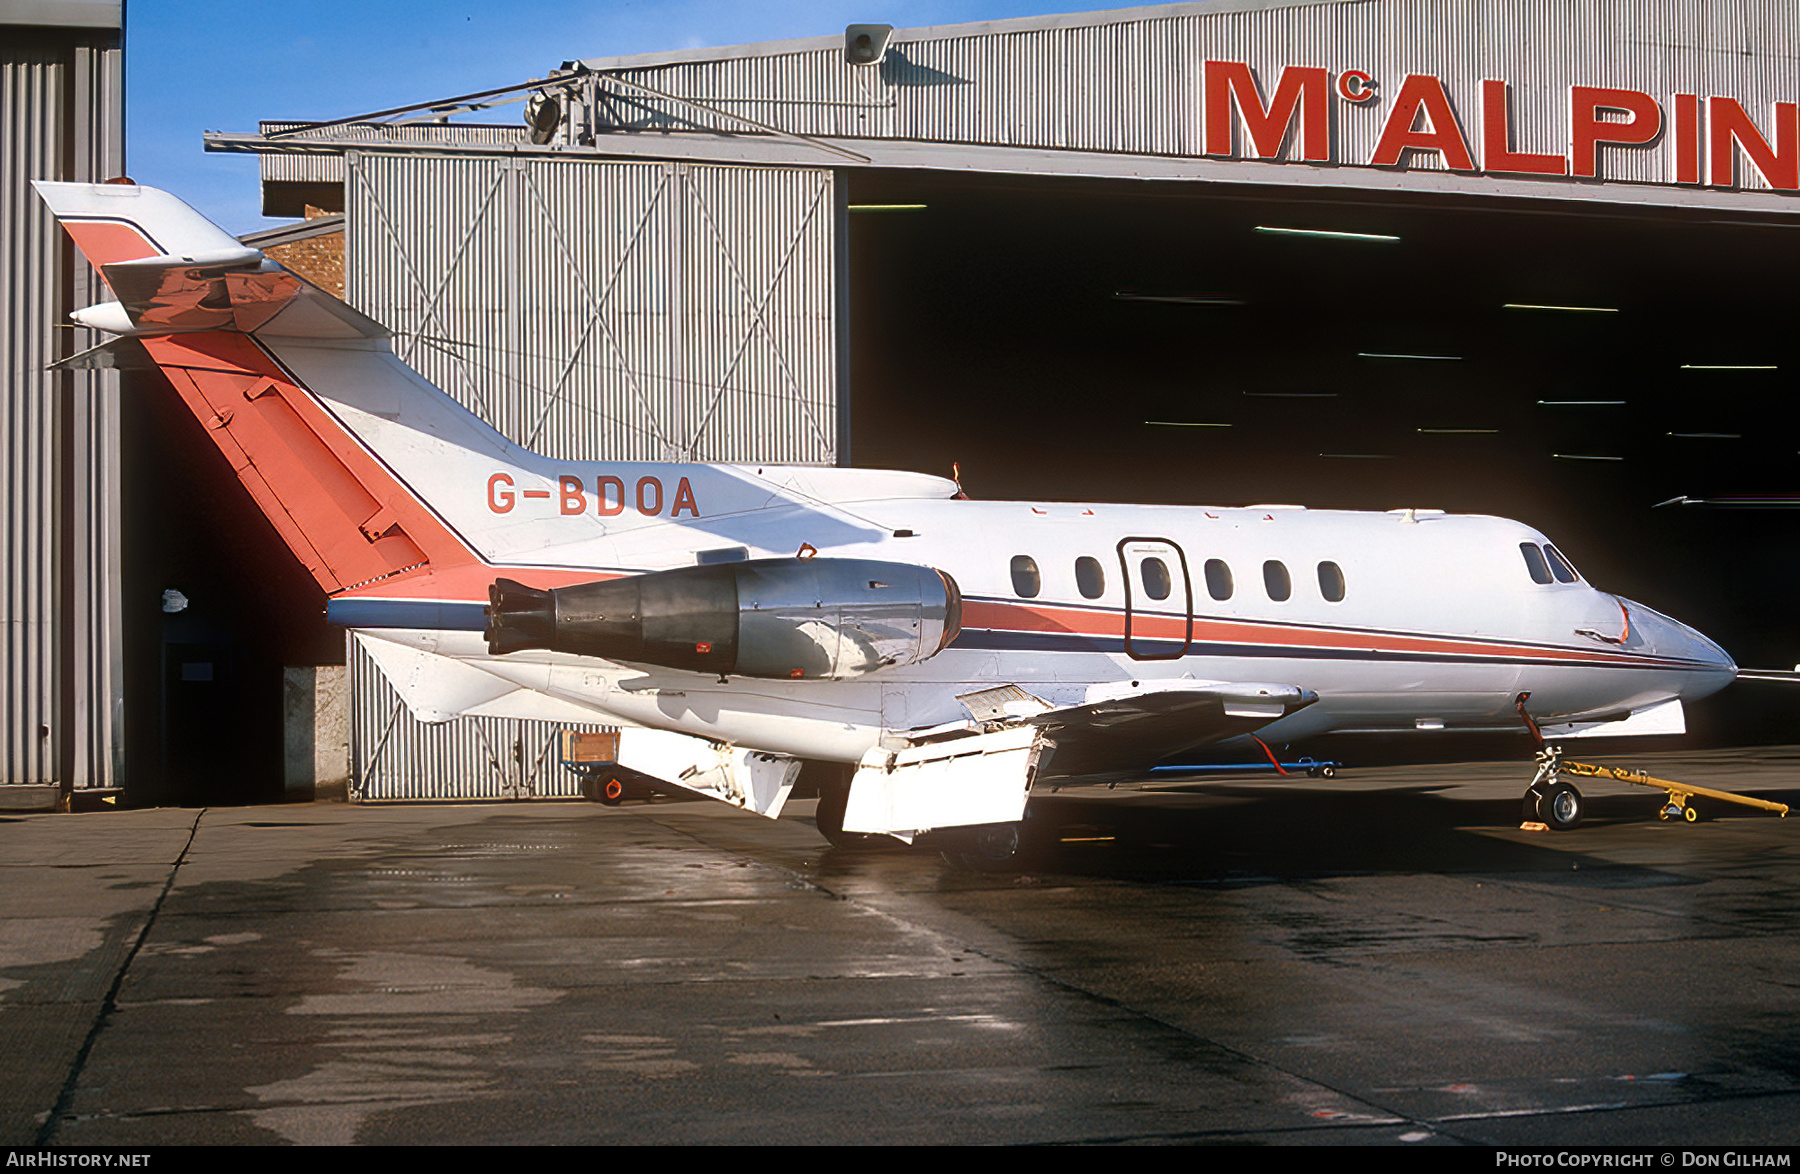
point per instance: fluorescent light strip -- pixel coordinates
(1432, 358)
(1327, 234)
(1178, 299)
(1293, 394)
(1729, 367)
(1778, 501)
(1708, 435)
(885, 207)
(1358, 456)
(1457, 431)
(1575, 456)
(1581, 403)
(1562, 309)
(1183, 424)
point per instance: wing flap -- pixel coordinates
(1135, 728)
(975, 780)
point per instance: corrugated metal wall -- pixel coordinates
(1131, 82)
(590, 310)
(61, 117)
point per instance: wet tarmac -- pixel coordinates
(1381, 958)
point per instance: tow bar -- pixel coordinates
(1557, 805)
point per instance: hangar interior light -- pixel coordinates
(1427, 358)
(1124, 295)
(1561, 309)
(1729, 367)
(1327, 234)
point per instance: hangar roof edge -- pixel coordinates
(1017, 24)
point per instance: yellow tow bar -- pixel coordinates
(1679, 793)
(1551, 764)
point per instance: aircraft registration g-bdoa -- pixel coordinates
(737, 621)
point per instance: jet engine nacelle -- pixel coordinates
(783, 618)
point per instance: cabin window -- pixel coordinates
(1090, 577)
(1331, 582)
(1276, 581)
(1559, 566)
(1026, 581)
(1218, 579)
(1157, 583)
(1534, 562)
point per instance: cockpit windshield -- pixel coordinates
(1546, 564)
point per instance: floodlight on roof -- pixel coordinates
(866, 44)
(543, 114)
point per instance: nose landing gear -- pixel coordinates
(1550, 801)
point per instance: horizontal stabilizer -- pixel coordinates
(173, 271)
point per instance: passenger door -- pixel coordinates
(1159, 599)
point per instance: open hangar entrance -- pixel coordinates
(1133, 341)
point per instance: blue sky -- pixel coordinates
(208, 65)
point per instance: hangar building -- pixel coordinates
(61, 633)
(1520, 257)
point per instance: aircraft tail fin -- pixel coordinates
(370, 473)
(199, 302)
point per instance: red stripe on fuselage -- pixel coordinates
(1013, 617)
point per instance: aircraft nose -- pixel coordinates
(1712, 667)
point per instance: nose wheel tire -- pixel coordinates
(1560, 807)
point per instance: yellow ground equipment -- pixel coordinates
(1558, 804)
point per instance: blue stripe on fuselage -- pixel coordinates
(407, 613)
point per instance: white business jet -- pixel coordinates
(933, 656)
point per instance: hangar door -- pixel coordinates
(591, 310)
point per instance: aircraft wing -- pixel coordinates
(1114, 731)
(1140, 727)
